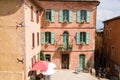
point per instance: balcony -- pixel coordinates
(62, 48)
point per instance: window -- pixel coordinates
(33, 60)
(38, 38)
(110, 33)
(37, 16)
(47, 37)
(65, 15)
(82, 37)
(50, 15)
(48, 57)
(31, 13)
(83, 15)
(33, 40)
(38, 56)
(106, 32)
(112, 52)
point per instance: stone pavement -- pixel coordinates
(71, 75)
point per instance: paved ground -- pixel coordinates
(71, 75)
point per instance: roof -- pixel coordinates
(68, 0)
(115, 18)
(71, 0)
(95, 1)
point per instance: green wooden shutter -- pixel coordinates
(70, 15)
(61, 16)
(77, 37)
(42, 37)
(88, 15)
(78, 16)
(87, 37)
(52, 15)
(46, 15)
(52, 37)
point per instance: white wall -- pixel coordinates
(30, 27)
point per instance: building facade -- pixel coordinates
(111, 45)
(68, 32)
(19, 38)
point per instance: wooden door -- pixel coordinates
(65, 61)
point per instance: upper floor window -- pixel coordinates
(82, 37)
(33, 40)
(31, 13)
(112, 52)
(47, 37)
(37, 38)
(110, 33)
(65, 15)
(37, 16)
(83, 15)
(50, 15)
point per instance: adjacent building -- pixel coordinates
(112, 45)
(68, 32)
(19, 38)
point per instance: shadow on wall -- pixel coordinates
(8, 7)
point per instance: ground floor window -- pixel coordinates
(48, 57)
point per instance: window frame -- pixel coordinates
(38, 38)
(33, 40)
(48, 11)
(32, 14)
(65, 15)
(37, 16)
(46, 55)
(47, 37)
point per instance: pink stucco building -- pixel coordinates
(68, 32)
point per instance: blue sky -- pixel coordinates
(107, 9)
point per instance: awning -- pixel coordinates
(40, 65)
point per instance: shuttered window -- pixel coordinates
(37, 16)
(31, 13)
(33, 40)
(61, 16)
(38, 38)
(83, 15)
(47, 37)
(50, 15)
(82, 37)
(65, 15)
(70, 15)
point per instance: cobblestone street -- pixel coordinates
(71, 75)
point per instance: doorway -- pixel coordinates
(65, 61)
(65, 40)
(82, 61)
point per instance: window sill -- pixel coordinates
(32, 20)
(33, 47)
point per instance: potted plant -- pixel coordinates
(83, 21)
(82, 43)
(70, 46)
(65, 22)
